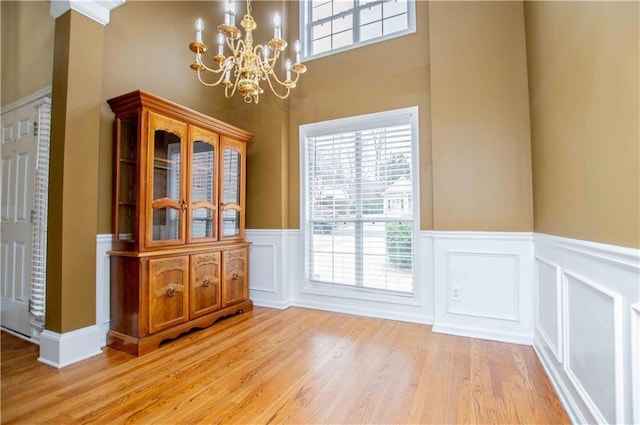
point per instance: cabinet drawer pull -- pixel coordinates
(235, 276)
(205, 282)
(171, 291)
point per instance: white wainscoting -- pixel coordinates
(584, 331)
(276, 279)
(270, 266)
(103, 282)
(635, 364)
(484, 285)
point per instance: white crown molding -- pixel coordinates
(98, 10)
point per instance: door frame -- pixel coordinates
(37, 99)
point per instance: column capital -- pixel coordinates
(98, 10)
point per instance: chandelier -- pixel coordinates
(247, 65)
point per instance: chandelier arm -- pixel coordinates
(233, 91)
(274, 90)
(210, 84)
(215, 71)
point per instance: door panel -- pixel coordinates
(19, 147)
(205, 283)
(168, 280)
(235, 287)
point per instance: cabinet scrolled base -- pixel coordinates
(146, 344)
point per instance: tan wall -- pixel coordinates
(267, 153)
(480, 117)
(583, 80)
(75, 129)
(146, 47)
(27, 48)
(389, 75)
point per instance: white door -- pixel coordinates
(18, 174)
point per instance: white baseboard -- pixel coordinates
(584, 329)
(60, 350)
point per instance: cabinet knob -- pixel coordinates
(234, 276)
(205, 282)
(171, 291)
(184, 204)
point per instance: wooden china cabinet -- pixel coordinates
(179, 258)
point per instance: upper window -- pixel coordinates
(360, 212)
(328, 26)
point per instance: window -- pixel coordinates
(335, 25)
(359, 191)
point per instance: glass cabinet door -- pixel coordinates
(166, 184)
(203, 197)
(232, 189)
(127, 170)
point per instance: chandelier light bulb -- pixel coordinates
(277, 26)
(265, 52)
(220, 44)
(230, 13)
(297, 46)
(199, 28)
(199, 25)
(287, 66)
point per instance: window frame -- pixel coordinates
(353, 124)
(305, 31)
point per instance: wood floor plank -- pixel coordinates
(291, 366)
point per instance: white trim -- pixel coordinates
(483, 236)
(482, 314)
(555, 346)
(104, 244)
(98, 10)
(408, 115)
(303, 22)
(635, 360)
(568, 402)
(60, 350)
(614, 254)
(37, 95)
(617, 346)
(612, 272)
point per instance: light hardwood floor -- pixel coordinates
(293, 366)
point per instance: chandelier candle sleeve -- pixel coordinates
(247, 65)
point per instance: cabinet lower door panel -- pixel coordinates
(168, 301)
(205, 283)
(235, 283)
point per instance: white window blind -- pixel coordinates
(360, 217)
(336, 25)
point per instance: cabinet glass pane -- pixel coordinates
(202, 223)
(166, 166)
(166, 224)
(202, 172)
(128, 137)
(127, 172)
(230, 223)
(231, 183)
(126, 217)
(166, 184)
